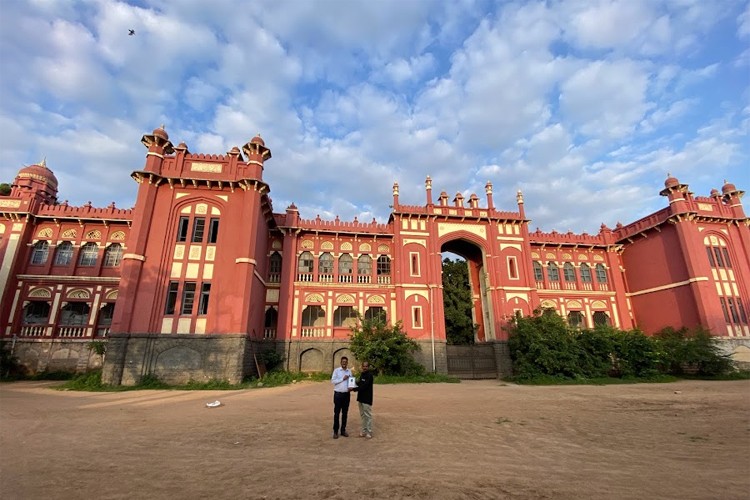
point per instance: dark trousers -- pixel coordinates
(340, 406)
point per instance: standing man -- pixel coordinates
(364, 399)
(340, 381)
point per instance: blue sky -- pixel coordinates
(584, 105)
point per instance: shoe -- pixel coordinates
(362, 434)
(335, 435)
(345, 434)
(368, 436)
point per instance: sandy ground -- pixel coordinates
(477, 439)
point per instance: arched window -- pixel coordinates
(89, 252)
(538, 272)
(345, 264)
(274, 268)
(384, 265)
(575, 319)
(313, 316)
(104, 321)
(345, 316)
(113, 255)
(601, 273)
(364, 264)
(36, 312)
(376, 313)
(74, 314)
(601, 318)
(325, 263)
(585, 273)
(270, 323)
(64, 254)
(569, 272)
(553, 272)
(40, 253)
(305, 262)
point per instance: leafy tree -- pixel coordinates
(4, 189)
(386, 347)
(457, 303)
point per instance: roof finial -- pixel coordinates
(669, 174)
(43, 163)
(161, 126)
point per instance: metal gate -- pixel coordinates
(472, 361)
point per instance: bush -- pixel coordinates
(543, 345)
(635, 354)
(271, 358)
(386, 347)
(685, 351)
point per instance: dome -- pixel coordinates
(714, 192)
(728, 187)
(160, 132)
(257, 140)
(671, 182)
(39, 172)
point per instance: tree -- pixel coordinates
(386, 347)
(4, 189)
(457, 303)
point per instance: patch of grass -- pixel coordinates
(278, 378)
(550, 380)
(427, 378)
(736, 375)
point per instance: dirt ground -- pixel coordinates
(477, 439)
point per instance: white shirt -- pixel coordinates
(340, 384)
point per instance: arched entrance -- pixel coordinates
(474, 359)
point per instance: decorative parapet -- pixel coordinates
(604, 238)
(337, 225)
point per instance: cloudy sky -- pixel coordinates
(584, 105)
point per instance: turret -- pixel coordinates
(158, 145)
(395, 195)
(428, 189)
(731, 196)
(488, 192)
(676, 192)
(519, 200)
(256, 153)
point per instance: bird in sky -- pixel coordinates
(131, 32)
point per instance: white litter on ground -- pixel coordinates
(215, 404)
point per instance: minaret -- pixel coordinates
(519, 199)
(395, 195)
(428, 189)
(256, 153)
(488, 192)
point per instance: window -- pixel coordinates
(725, 252)
(384, 265)
(710, 253)
(188, 298)
(733, 310)
(325, 263)
(213, 230)
(553, 272)
(171, 297)
(40, 252)
(199, 226)
(416, 317)
(601, 274)
(105, 319)
(585, 273)
(345, 316)
(182, 228)
(538, 273)
(36, 312)
(724, 309)
(203, 302)
(313, 316)
(113, 255)
(414, 259)
(376, 313)
(569, 272)
(305, 262)
(364, 264)
(271, 318)
(718, 256)
(89, 252)
(74, 314)
(512, 268)
(274, 268)
(601, 318)
(345, 264)
(64, 254)
(743, 316)
(575, 319)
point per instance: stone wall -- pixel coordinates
(53, 355)
(176, 359)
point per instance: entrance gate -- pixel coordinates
(472, 361)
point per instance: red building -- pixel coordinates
(202, 273)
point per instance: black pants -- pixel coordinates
(340, 406)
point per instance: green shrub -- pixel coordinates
(691, 351)
(271, 358)
(634, 355)
(543, 345)
(386, 347)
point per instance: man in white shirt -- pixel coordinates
(340, 381)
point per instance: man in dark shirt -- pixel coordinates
(364, 399)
